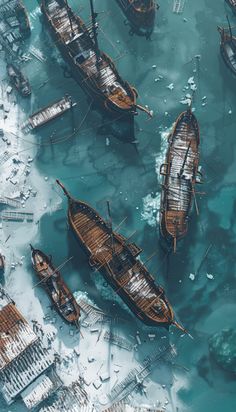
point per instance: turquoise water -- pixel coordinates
(96, 167)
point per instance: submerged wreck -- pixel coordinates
(180, 172)
(52, 281)
(22, 17)
(18, 80)
(117, 259)
(92, 69)
(140, 14)
(26, 367)
(228, 47)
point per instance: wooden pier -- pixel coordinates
(178, 6)
(16, 216)
(45, 115)
(118, 341)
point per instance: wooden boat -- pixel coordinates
(51, 280)
(19, 81)
(2, 263)
(232, 4)
(117, 259)
(92, 69)
(140, 14)
(228, 47)
(49, 113)
(179, 173)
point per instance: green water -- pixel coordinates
(96, 169)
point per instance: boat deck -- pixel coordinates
(113, 255)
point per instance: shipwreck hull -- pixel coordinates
(99, 98)
(179, 177)
(142, 22)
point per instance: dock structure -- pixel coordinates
(46, 114)
(5, 156)
(24, 361)
(178, 6)
(70, 399)
(17, 216)
(93, 315)
(118, 341)
(124, 407)
(123, 389)
(9, 202)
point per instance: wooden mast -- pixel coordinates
(110, 226)
(69, 16)
(95, 34)
(230, 29)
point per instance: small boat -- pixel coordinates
(111, 253)
(140, 14)
(232, 4)
(49, 113)
(228, 47)
(92, 68)
(22, 17)
(52, 281)
(17, 78)
(2, 263)
(180, 172)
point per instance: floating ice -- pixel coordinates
(209, 276)
(191, 276)
(170, 86)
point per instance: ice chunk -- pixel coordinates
(191, 276)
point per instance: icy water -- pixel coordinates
(96, 167)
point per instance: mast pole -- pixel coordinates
(69, 16)
(230, 29)
(185, 158)
(95, 34)
(110, 224)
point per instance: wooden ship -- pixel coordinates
(117, 259)
(52, 281)
(48, 113)
(228, 47)
(232, 4)
(18, 80)
(180, 172)
(92, 68)
(140, 15)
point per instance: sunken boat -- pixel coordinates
(18, 80)
(232, 4)
(22, 17)
(52, 281)
(92, 68)
(110, 253)
(140, 15)
(180, 173)
(228, 47)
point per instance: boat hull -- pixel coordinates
(142, 23)
(111, 275)
(178, 185)
(72, 317)
(99, 99)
